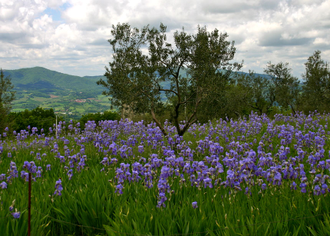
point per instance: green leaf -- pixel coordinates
(109, 230)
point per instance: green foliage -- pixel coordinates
(38, 117)
(316, 88)
(237, 102)
(7, 95)
(136, 80)
(284, 87)
(257, 92)
(107, 115)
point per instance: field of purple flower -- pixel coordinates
(254, 176)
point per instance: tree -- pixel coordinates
(6, 97)
(284, 87)
(258, 92)
(145, 66)
(316, 87)
(6, 93)
(237, 100)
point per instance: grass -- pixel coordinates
(89, 204)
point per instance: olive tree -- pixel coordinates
(284, 86)
(146, 66)
(259, 92)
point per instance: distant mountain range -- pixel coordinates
(67, 94)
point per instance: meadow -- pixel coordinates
(252, 176)
(66, 104)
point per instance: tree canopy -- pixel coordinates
(190, 71)
(284, 86)
(316, 87)
(257, 91)
(7, 95)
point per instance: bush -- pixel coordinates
(38, 117)
(107, 115)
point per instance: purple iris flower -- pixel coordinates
(317, 190)
(27, 165)
(119, 189)
(208, 182)
(162, 198)
(140, 149)
(3, 185)
(194, 205)
(247, 190)
(25, 175)
(303, 187)
(16, 215)
(277, 178)
(70, 174)
(2, 176)
(105, 161)
(324, 188)
(58, 187)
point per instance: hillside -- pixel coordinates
(72, 95)
(42, 78)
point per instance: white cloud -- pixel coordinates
(264, 30)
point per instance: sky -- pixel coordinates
(71, 36)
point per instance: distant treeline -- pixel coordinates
(236, 97)
(277, 91)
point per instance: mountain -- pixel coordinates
(42, 78)
(64, 93)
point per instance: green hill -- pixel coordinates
(72, 95)
(44, 78)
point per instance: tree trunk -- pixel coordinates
(157, 122)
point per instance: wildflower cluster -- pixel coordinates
(238, 156)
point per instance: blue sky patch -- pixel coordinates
(56, 13)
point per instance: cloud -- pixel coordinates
(278, 39)
(228, 7)
(11, 37)
(99, 42)
(71, 35)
